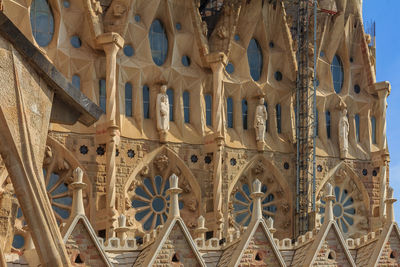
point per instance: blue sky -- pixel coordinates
(387, 17)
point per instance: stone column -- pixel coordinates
(389, 206)
(77, 200)
(383, 89)
(122, 229)
(329, 197)
(217, 63)
(111, 43)
(256, 195)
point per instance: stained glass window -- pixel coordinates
(102, 94)
(229, 111)
(146, 102)
(158, 42)
(76, 81)
(128, 99)
(357, 124)
(208, 100)
(278, 118)
(244, 113)
(373, 129)
(42, 22)
(337, 73)
(328, 123)
(186, 106)
(254, 56)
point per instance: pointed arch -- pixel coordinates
(146, 191)
(277, 201)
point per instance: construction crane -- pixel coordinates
(305, 119)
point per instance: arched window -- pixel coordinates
(254, 56)
(278, 118)
(42, 22)
(373, 129)
(328, 123)
(337, 73)
(186, 106)
(158, 42)
(357, 123)
(102, 94)
(266, 122)
(146, 102)
(244, 113)
(128, 99)
(208, 100)
(170, 94)
(229, 111)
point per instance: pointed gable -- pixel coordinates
(387, 249)
(172, 247)
(329, 248)
(82, 244)
(256, 247)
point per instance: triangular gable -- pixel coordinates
(173, 246)
(387, 249)
(329, 248)
(256, 247)
(82, 244)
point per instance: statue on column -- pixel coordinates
(162, 112)
(260, 120)
(343, 133)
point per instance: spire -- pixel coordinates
(329, 197)
(77, 187)
(389, 206)
(173, 192)
(256, 195)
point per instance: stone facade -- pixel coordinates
(225, 70)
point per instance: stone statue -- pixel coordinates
(162, 112)
(343, 133)
(260, 119)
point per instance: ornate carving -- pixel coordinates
(222, 32)
(344, 133)
(161, 162)
(260, 119)
(258, 168)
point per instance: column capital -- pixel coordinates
(110, 38)
(216, 57)
(382, 88)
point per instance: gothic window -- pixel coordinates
(328, 123)
(186, 106)
(278, 118)
(229, 111)
(158, 42)
(357, 124)
(244, 113)
(373, 129)
(102, 94)
(170, 94)
(128, 99)
(128, 50)
(230, 68)
(243, 205)
(208, 100)
(337, 73)
(254, 56)
(343, 209)
(146, 102)
(42, 22)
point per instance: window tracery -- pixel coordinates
(158, 42)
(42, 22)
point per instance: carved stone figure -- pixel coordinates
(343, 134)
(260, 119)
(162, 112)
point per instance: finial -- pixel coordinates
(174, 191)
(201, 229)
(389, 206)
(77, 186)
(256, 196)
(329, 197)
(121, 229)
(270, 225)
(122, 220)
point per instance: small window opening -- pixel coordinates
(102, 233)
(78, 259)
(209, 235)
(258, 257)
(175, 258)
(331, 255)
(392, 255)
